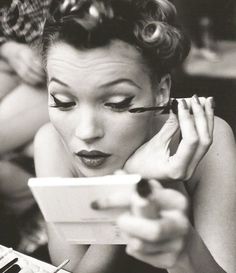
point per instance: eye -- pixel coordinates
(66, 105)
(120, 106)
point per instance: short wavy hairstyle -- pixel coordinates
(149, 25)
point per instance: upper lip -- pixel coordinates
(92, 154)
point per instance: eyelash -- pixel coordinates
(60, 104)
(123, 105)
(118, 106)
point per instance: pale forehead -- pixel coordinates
(118, 59)
(116, 52)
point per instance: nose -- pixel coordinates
(89, 126)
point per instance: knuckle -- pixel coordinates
(206, 141)
(183, 203)
(192, 141)
(189, 174)
(177, 173)
(155, 234)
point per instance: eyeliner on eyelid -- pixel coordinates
(124, 103)
(61, 104)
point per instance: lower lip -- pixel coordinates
(93, 162)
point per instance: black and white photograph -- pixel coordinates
(117, 136)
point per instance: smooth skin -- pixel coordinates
(22, 98)
(211, 242)
(23, 110)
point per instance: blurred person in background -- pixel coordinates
(23, 99)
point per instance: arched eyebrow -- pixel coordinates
(122, 80)
(53, 79)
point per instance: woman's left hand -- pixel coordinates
(153, 159)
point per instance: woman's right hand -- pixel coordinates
(153, 159)
(157, 227)
(24, 62)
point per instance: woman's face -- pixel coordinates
(90, 93)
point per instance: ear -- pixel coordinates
(162, 93)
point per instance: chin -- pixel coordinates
(98, 172)
(87, 172)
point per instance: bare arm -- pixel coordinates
(50, 161)
(211, 245)
(214, 199)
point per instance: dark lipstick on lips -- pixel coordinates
(92, 159)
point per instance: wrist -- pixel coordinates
(196, 257)
(184, 263)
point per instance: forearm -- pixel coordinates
(102, 259)
(196, 258)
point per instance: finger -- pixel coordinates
(189, 142)
(37, 68)
(209, 110)
(145, 247)
(201, 122)
(38, 71)
(34, 69)
(32, 63)
(188, 101)
(116, 200)
(168, 199)
(31, 79)
(29, 76)
(168, 130)
(165, 228)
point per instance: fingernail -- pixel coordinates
(183, 103)
(212, 102)
(174, 106)
(196, 99)
(95, 205)
(143, 188)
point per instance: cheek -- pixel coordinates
(130, 132)
(59, 121)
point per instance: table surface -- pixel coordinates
(223, 66)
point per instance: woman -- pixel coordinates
(103, 61)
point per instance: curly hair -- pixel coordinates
(149, 25)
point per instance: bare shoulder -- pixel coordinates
(47, 139)
(50, 156)
(45, 134)
(223, 139)
(220, 159)
(221, 126)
